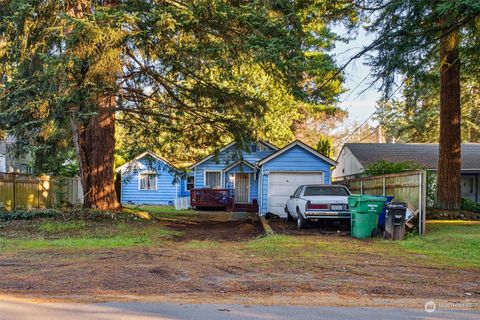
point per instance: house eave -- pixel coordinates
(302, 145)
(196, 164)
(236, 163)
(140, 156)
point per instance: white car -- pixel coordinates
(318, 201)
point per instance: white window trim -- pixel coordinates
(150, 173)
(221, 177)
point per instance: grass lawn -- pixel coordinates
(446, 243)
(455, 243)
(449, 243)
(89, 233)
(185, 253)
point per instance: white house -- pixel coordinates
(354, 158)
(10, 164)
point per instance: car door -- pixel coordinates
(293, 202)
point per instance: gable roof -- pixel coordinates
(240, 161)
(226, 147)
(302, 145)
(425, 154)
(140, 156)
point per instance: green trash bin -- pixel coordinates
(364, 211)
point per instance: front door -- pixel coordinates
(242, 188)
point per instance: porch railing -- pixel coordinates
(211, 198)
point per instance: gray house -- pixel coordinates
(10, 164)
(354, 158)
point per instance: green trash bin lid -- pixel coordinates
(366, 204)
(355, 199)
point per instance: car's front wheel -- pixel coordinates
(301, 222)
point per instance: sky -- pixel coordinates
(360, 105)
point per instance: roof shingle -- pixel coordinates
(425, 154)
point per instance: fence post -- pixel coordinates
(361, 187)
(421, 204)
(14, 202)
(424, 197)
(38, 192)
(384, 182)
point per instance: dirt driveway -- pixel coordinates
(213, 258)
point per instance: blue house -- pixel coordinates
(259, 180)
(150, 179)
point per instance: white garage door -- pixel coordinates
(281, 185)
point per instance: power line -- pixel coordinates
(356, 87)
(377, 108)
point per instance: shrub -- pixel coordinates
(27, 214)
(385, 167)
(469, 205)
(71, 214)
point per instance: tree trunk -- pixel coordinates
(95, 146)
(95, 140)
(449, 161)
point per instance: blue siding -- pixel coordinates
(167, 190)
(295, 159)
(253, 188)
(183, 192)
(241, 168)
(226, 158)
(299, 159)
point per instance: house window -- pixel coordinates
(24, 169)
(147, 181)
(190, 182)
(213, 179)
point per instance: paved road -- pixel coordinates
(15, 310)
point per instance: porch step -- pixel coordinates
(245, 207)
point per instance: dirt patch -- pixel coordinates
(233, 269)
(283, 226)
(225, 271)
(230, 230)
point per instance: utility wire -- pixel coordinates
(377, 108)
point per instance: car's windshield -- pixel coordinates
(325, 191)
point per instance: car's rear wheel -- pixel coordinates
(301, 222)
(289, 216)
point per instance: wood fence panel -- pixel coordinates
(45, 192)
(23, 191)
(26, 193)
(6, 193)
(409, 187)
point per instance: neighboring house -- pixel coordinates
(10, 164)
(261, 179)
(150, 179)
(354, 158)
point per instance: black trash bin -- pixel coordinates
(395, 220)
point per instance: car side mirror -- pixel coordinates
(291, 197)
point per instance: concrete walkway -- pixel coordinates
(13, 310)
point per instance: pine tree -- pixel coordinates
(161, 68)
(410, 37)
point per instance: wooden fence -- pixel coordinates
(25, 191)
(409, 187)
